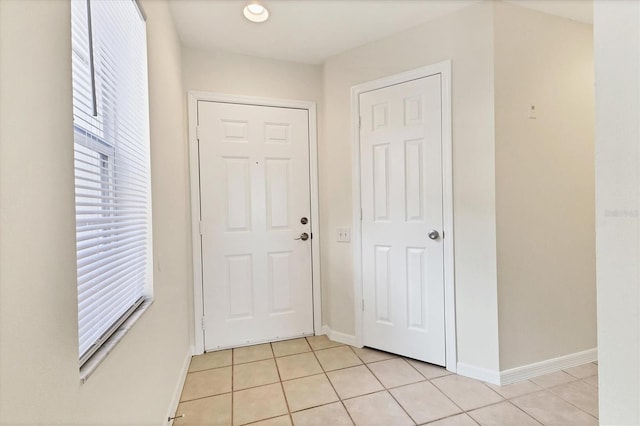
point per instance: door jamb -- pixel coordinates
(444, 69)
(192, 110)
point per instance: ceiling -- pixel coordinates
(310, 31)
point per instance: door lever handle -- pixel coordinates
(304, 237)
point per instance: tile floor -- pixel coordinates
(315, 381)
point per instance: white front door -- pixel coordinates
(401, 196)
(254, 207)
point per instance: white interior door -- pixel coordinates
(254, 192)
(401, 196)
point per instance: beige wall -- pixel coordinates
(617, 54)
(465, 37)
(236, 74)
(38, 302)
(544, 186)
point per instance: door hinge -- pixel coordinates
(203, 323)
(311, 235)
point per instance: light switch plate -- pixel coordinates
(343, 235)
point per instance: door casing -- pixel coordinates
(444, 69)
(198, 299)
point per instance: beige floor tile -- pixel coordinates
(294, 366)
(309, 392)
(256, 373)
(331, 414)
(457, 420)
(290, 347)
(368, 355)
(206, 383)
(321, 342)
(424, 402)
(210, 360)
(429, 371)
(593, 380)
(583, 371)
(515, 389)
(502, 414)
(276, 421)
(252, 353)
(335, 358)
(467, 393)
(377, 409)
(580, 394)
(551, 410)
(395, 372)
(264, 402)
(553, 379)
(354, 381)
(214, 410)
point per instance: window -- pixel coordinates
(112, 177)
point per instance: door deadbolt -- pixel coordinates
(434, 235)
(304, 220)
(304, 237)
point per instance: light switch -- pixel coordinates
(532, 112)
(343, 235)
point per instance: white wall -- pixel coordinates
(38, 303)
(465, 37)
(617, 55)
(544, 185)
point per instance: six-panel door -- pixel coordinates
(254, 190)
(401, 197)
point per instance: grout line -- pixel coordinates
(390, 394)
(334, 389)
(446, 396)
(284, 394)
(206, 396)
(233, 354)
(514, 405)
(571, 403)
(402, 407)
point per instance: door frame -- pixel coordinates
(194, 171)
(444, 69)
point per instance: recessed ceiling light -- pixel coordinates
(255, 12)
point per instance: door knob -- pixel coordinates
(304, 220)
(304, 237)
(434, 235)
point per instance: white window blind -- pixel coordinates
(112, 177)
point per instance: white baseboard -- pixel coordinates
(175, 400)
(547, 366)
(478, 373)
(336, 336)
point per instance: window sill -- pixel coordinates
(101, 354)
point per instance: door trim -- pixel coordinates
(192, 110)
(444, 69)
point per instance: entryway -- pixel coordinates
(254, 206)
(316, 381)
(404, 241)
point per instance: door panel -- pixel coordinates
(254, 188)
(401, 197)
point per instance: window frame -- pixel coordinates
(110, 168)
